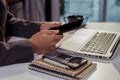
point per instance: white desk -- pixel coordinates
(106, 70)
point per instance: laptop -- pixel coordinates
(92, 43)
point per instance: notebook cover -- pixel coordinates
(56, 73)
(59, 69)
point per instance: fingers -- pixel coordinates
(48, 25)
(56, 24)
(45, 41)
(57, 37)
(50, 32)
(53, 34)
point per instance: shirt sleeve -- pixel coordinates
(15, 52)
(20, 27)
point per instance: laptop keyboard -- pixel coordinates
(99, 43)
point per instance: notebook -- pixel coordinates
(92, 43)
(64, 60)
(70, 74)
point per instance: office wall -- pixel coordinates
(17, 9)
(55, 10)
(33, 10)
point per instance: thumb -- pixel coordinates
(56, 31)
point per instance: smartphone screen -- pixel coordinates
(76, 62)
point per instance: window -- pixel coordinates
(97, 10)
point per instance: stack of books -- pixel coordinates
(63, 66)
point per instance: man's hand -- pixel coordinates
(48, 25)
(45, 41)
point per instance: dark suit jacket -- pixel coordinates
(19, 51)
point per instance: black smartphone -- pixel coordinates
(68, 26)
(64, 60)
(76, 62)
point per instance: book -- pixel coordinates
(65, 73)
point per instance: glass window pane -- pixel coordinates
(89, 8)
(113, 11)
(97, 10)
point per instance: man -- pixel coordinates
(42, 40)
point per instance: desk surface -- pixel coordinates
(106, 70)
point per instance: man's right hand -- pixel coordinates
(44, 41)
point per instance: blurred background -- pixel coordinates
(56, 10)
